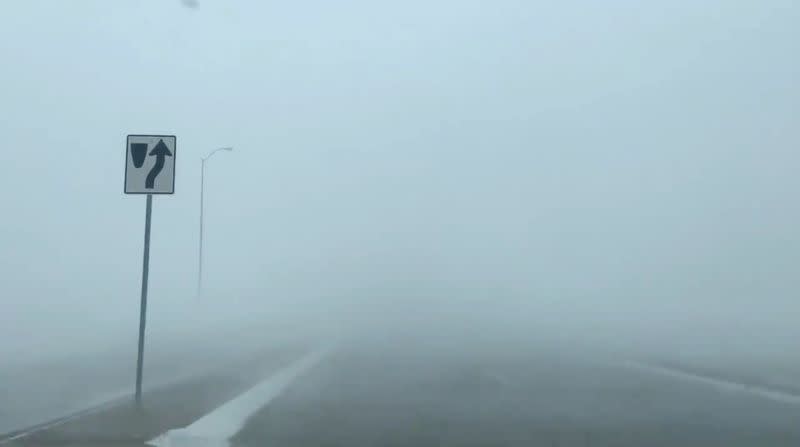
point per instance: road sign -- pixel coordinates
(149, 169)
(150, 164)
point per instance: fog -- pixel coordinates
(622, 173)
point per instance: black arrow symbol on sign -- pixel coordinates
(161, 151)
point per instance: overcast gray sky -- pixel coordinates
(632, 162)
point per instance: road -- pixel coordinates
(365, 397)
(427, 394)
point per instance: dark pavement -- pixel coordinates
(122, 423)
(447, 394)
(423, 396)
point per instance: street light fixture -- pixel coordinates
(202, 190)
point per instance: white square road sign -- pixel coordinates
(150, 164)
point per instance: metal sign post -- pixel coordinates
(143, 304)
(149, 169)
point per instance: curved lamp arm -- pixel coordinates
(217, 150)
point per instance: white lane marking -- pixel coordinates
(215, 428)
(719, 384)
(104, 402)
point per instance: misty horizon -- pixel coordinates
(617, 171)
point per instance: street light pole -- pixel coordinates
(200, 254)
(202, 203)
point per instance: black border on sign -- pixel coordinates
(174, 168)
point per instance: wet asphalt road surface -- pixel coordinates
(427, 396)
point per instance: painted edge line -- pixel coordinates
(221, 424)
(119, 398)
(726, 385)
(112, 400)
